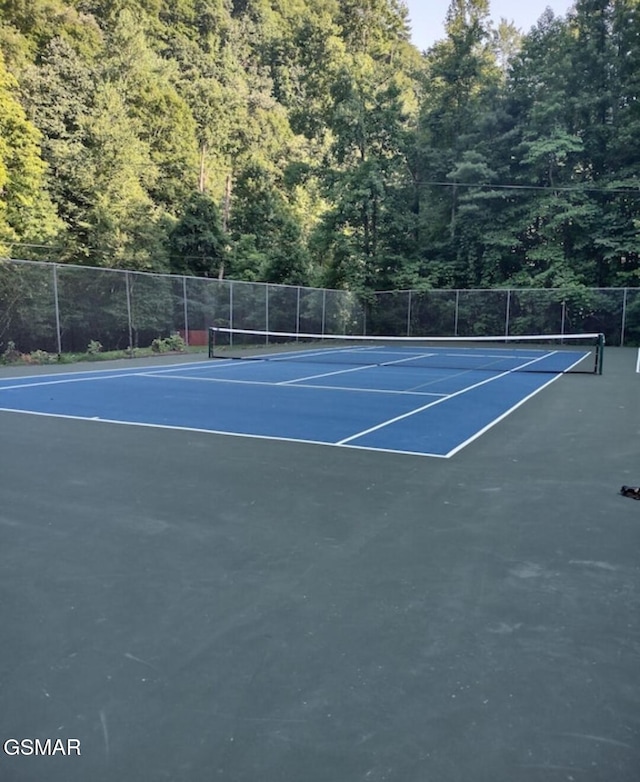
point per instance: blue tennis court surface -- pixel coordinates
(330, 397)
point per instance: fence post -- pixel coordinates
(231, 312)
(409, 316)
(324, 309)
(508, 317)
(455, 317)
(57, 306)
(298, 312)
(129, 320)
(624, 317)
(186, 311)
(266, 313)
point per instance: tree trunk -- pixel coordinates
(201, 181)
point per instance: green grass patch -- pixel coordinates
(14, 358)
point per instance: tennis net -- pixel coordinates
(556, 353)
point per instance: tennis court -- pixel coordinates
(258, 575)
(395, 396)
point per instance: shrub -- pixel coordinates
(174, 343)
(94, 347)
(41, 357)
(11, 355)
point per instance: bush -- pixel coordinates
(94, 347)
(171, 344)
(175, 342)
(11, 355)
(40, 357)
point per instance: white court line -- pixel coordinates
(97, 420)
(446, 377)
(58, 382)
(501, 417)
(342, 443)
(103, 374)
(277, 385)
(285, 356)
(511, 409)
(323, 374)
(439, 401)
(359, 369)
(98, 374)
(482, 368)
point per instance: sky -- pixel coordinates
(427, 16)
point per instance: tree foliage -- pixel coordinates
(26, 211)
(310, 142)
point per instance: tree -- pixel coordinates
(463, 87)
(324, 147)
(159, 114)
(27, 214)
(60, 95)
(269, 238)
(197, 243)
(566, 88)
(121, 216)
(366, 236)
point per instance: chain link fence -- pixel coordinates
(60, 308)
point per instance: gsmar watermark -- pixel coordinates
(41, 747)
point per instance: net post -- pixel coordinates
(600, 354)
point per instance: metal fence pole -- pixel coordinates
(508, 316)
(324, 309)
(409, 316)
(455, 317)
(298, 311)
(57, 307)
(186, 311)
(266, 313)
(129, 320)
(624, 316)
(231, 312)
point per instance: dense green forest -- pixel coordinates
(309, 142)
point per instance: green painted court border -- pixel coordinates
(467, 619)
